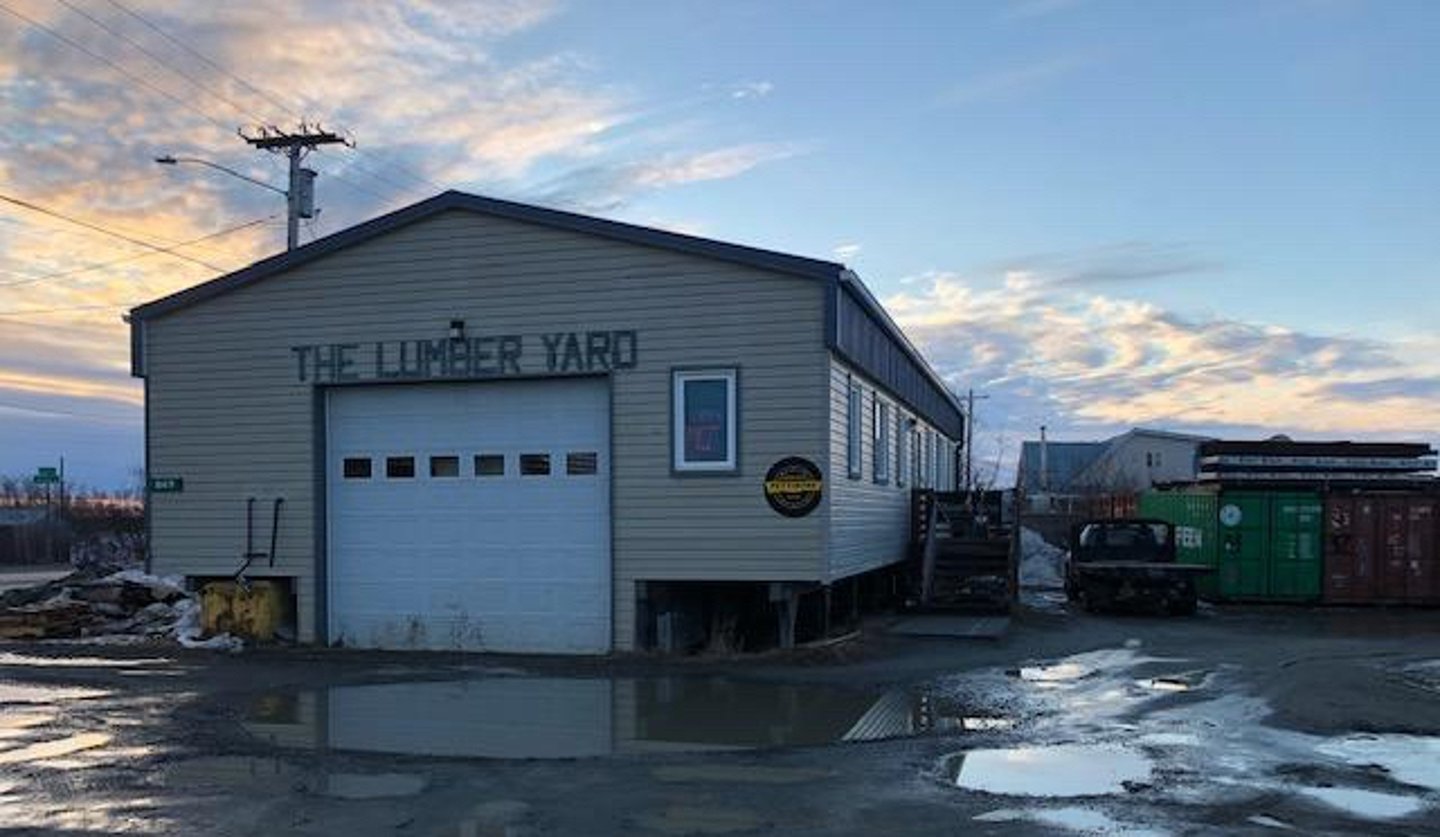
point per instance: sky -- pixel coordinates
(1211, 217)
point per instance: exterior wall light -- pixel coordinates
(457, 330)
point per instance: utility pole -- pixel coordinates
(970, 397)
(300, 197)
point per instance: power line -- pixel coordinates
(197, 54)
(264, 94)
(157, 59)
(143, 82)
(97, 228)
(25, 312)
(166, 250)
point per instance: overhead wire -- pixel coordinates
(170, 250)
(260, 91)
(112, 233)
(148, 85)
(109, 30)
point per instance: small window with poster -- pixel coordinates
(703, 435)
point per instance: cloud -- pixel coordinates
(1012, 82)
(1121, 263)
(606, 187)
(752, 90)
(846, 252)
(1097, 364)
(436, 94)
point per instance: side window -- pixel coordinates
(880, 425)
(902, 450)
(703, 416)
(854, 417)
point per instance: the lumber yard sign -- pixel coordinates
(489, 356)
(793, 485)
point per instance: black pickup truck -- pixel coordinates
(1129, 562)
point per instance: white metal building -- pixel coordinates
(482, 425)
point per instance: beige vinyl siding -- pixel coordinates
(228, 414)
(868, 520)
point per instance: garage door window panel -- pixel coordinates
(534, 464)
(582, 463)
(400, 467)
(444, 466)
(357, 468)
(490, 465)
(704, 421)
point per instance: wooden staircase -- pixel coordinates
(963, 566)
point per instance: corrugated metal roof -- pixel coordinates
(1064, 461)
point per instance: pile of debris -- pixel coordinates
(99, 601)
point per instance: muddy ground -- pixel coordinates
(1240, 720)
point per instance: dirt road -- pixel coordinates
(1236, 721)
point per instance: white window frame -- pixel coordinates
(854, 429)
(880, 418)
(681, 377)
(902, 449)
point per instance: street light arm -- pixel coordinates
(169, 160)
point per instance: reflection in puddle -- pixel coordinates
(1061, 770)
(1082, 820)
(54, 749)
(8, 658)
(1366, 804)
(18, 693)
(545, 717)
(1412, 759)
(1057, 673)
(1164, 684)
(19, 725)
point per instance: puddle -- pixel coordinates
(1057, 673)
(1411, 759)
(544, 717)
(373, 785)
(1164, 684)
(981, 724)
(19, 693)
(1366, 804)
(1064, 770)
(54, 749)
(8, 658)
(1080, 820)
(19, 725)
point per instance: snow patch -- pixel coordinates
(1041, 565)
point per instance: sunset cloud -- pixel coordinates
(1097, 364)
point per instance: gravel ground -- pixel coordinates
(1243, 720)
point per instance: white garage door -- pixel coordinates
(470, 516)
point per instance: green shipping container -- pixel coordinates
(1270, 546)
(1265, 546)
(1193, 514)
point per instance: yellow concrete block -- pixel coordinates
(254, 613)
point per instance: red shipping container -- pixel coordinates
(1382, 549)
